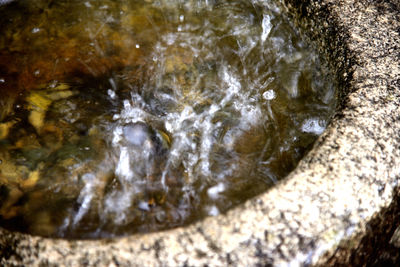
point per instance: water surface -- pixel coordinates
(134, 116)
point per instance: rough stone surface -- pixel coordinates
(328, 208)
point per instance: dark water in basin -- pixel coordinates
(119, 117)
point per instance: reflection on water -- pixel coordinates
(133, 116)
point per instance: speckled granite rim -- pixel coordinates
(325, 204)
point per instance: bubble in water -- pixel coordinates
(111, 93)
(137, 134)
(313, 125)
(269, 95)
(35, 30)
(144, 206)
(213, 192)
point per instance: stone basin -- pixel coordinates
(339, 204)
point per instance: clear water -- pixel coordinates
(133, 116)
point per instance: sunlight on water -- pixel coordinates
(134, 116)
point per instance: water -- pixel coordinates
(134, 116)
